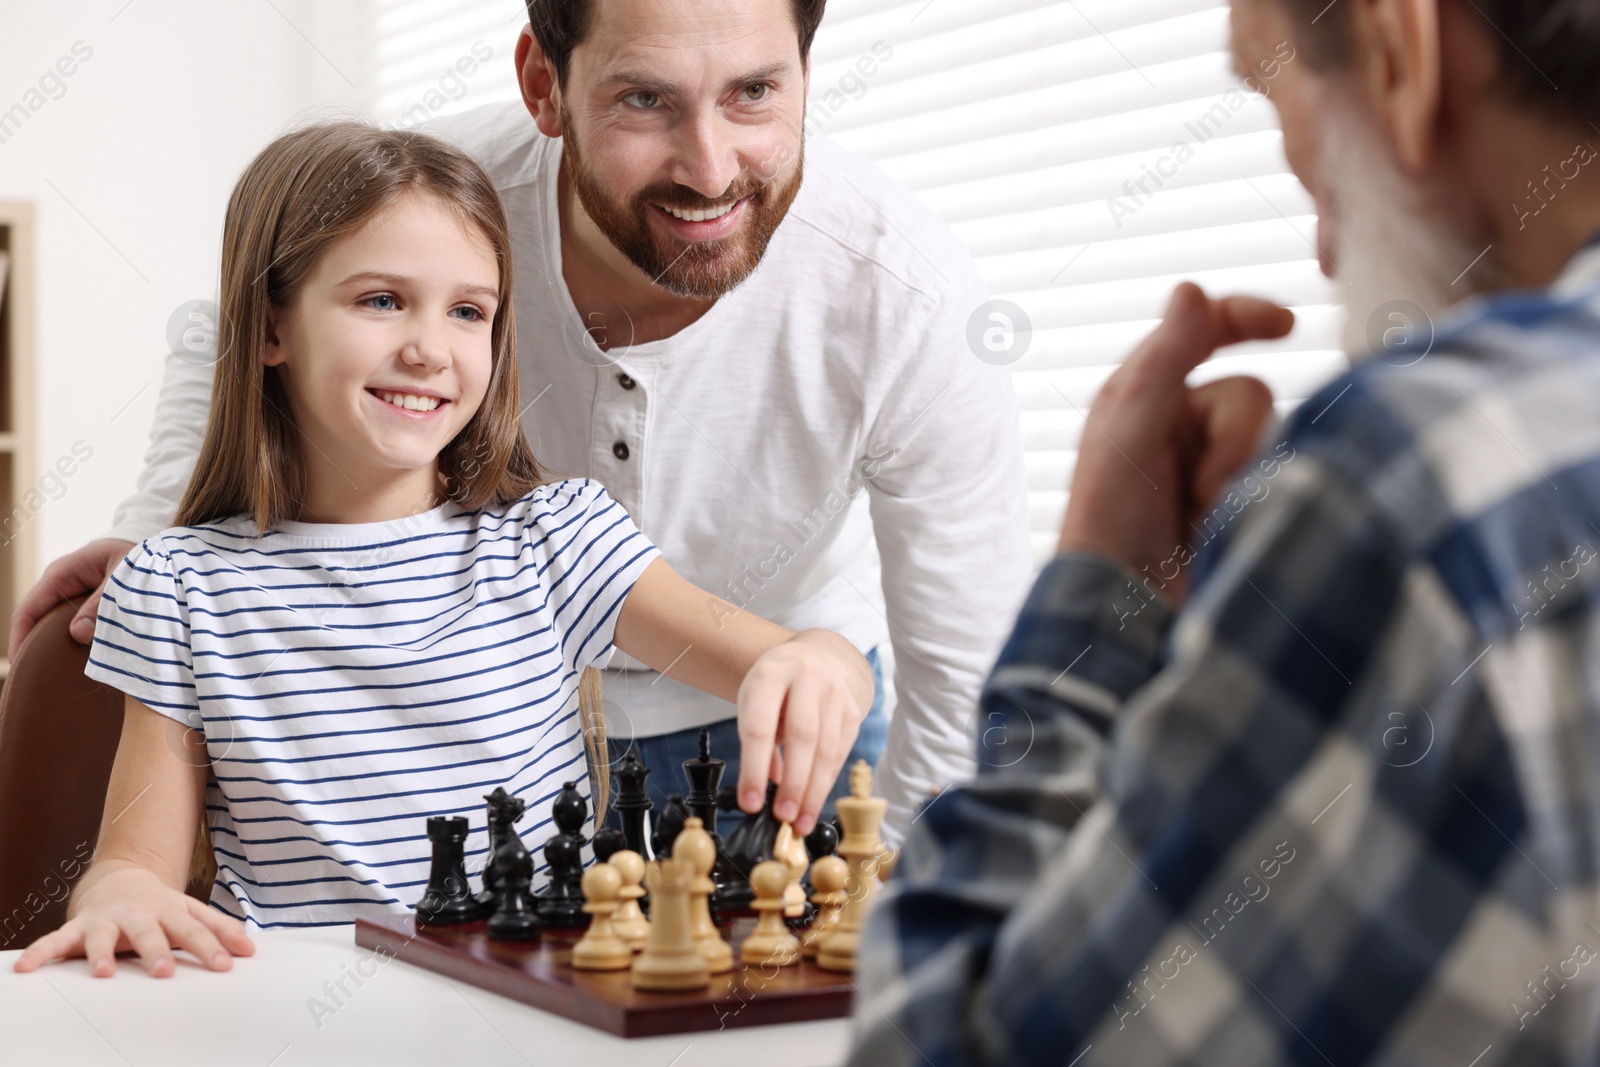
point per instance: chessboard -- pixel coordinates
(659, 942)
(541, 974)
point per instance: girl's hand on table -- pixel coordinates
(128, 908)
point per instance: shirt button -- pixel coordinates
(625, 381)
(620, 450)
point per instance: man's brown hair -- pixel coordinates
(560, 25)
(1548, 48)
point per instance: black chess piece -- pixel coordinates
(515, 917)
(633, 803)
(728, 804)
(749, 844)
(669, 825)
(561, 902)
(823, 840)
(503, 812)
(704, 775)
(608, 841)
(448, 900)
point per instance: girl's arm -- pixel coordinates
(132, 897)
(806, 692)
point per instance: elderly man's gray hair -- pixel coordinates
(1548, 48)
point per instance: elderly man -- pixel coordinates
(759, 344)
(1301, 763)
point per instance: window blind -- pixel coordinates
(1029, 125)
(437, 57)
(1091, 154)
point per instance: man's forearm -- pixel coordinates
(946, 625)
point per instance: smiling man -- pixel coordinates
(1329, 793)
(757, 343)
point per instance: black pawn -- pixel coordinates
(503, 811)
(823, 840)
(514, 918)
(561, 902)
(608, 841)
(448, 900)
(633, 803)
(669, 825)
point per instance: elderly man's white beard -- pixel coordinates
(1396, 246)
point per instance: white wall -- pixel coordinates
(129, 162)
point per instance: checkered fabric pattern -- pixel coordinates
(1344, 807)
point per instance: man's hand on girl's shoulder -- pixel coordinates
(76, 573)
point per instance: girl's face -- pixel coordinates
(385, 353)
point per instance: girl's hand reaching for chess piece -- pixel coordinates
(800, 707)
(801, 696)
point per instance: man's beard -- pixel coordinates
(700, 270)
(1400, 250)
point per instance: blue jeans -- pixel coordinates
(665, 753)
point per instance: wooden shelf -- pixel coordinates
(18, 466)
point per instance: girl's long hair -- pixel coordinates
(304, 191)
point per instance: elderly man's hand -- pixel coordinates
(1156, 452)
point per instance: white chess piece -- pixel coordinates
(629, 921)
(770, 942)
(671, 960)
(600, 949)
(861, 814)
(696, 846)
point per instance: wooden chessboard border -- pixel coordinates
(542, 976)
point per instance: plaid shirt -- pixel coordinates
(1344, 807)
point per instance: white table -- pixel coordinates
(260, 1014)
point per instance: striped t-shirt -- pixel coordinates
(353, 679)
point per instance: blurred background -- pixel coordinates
(1091, 153)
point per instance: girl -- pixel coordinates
(375, 607)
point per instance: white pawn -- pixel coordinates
(828, 877)
(771, 941)
(601, 949)
(628, 920)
